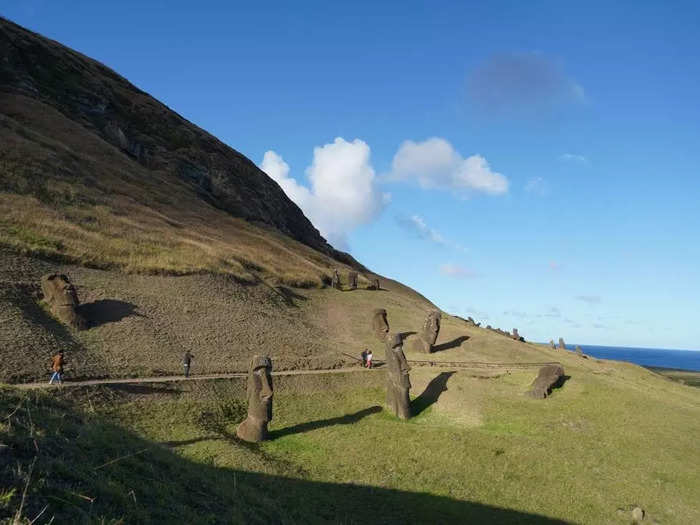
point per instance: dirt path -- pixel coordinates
(168, 379)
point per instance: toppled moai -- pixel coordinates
(335, 281)
(259, 390)
(429, 333)
(547, 377)
(380, 325)
(562, 345)
(398, 381)
(62, 299)
(352, 280)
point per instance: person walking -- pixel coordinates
(186, 362)
(369, 358)
(57, 363)
(364, 358)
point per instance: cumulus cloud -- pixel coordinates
(342, 194)
(521, 83)
(434, 163)
(456, 271)
(590, 299)
(572, 157)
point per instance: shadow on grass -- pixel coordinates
(450, 344)
(404, 335)
(347, 419)
(431, 394)
(107, 311)
(290, 296)
(134, 480)
(559, 383)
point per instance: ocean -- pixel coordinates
(680, 359)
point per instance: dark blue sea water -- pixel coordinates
(682, 359)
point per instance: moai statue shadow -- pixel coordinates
(429, 333)
(254, 427)
(398, 381)
(62, 300)
(352, 280)
(380, 325)
(562, 344)
(547, 377)
(335, 281)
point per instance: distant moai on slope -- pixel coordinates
(517, 336)
(429, 333)
(62, 299)
(398, 381)
(373, 284)
(335, 281)
(380, 325)
(578, 350)
(548, 376)
(259, 391)
(352, 280)
(551, 343)
(562, 345)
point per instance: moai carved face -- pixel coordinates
(432, 327)
(397, 365)
(59, 291)
(260, 388)
(380, 325)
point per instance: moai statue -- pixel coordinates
(562, 345)
(551, 343)
(548, 376)
(398, 382)
(376, 284)
(516, 335)
(380, 325)
(429, 333)
(578, 350)
(352, 280)
(335, 281)
(62, 299)
(254, 427)
(471, 320)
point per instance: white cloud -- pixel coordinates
(416, 224)
(590, 299)
(434, 163)
(572, 157)
(342, 194)
(537, 185)
(456, 271)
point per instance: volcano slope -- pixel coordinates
(176, 242)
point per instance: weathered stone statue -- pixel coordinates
(398, 382)
(380, 325)
(516, 335)
(335, 281)
(429, 333)
(373, 284)
(551, 343)
(352, 280)
(548, 376)
(562, 345)
(254, 427)
(578, 350)
(62, 299)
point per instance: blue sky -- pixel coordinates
(532, 164)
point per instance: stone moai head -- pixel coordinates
(380, 325)
(62, 299)
(260, 392)
(562, 345)
(547, 377)
(429, 332)
(335, 281)
(352, 280)
(398, 381)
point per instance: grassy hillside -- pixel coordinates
(478, 450)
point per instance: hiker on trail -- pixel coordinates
(57, 367)
(186, 361)
(369, 359)
(364, 358)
